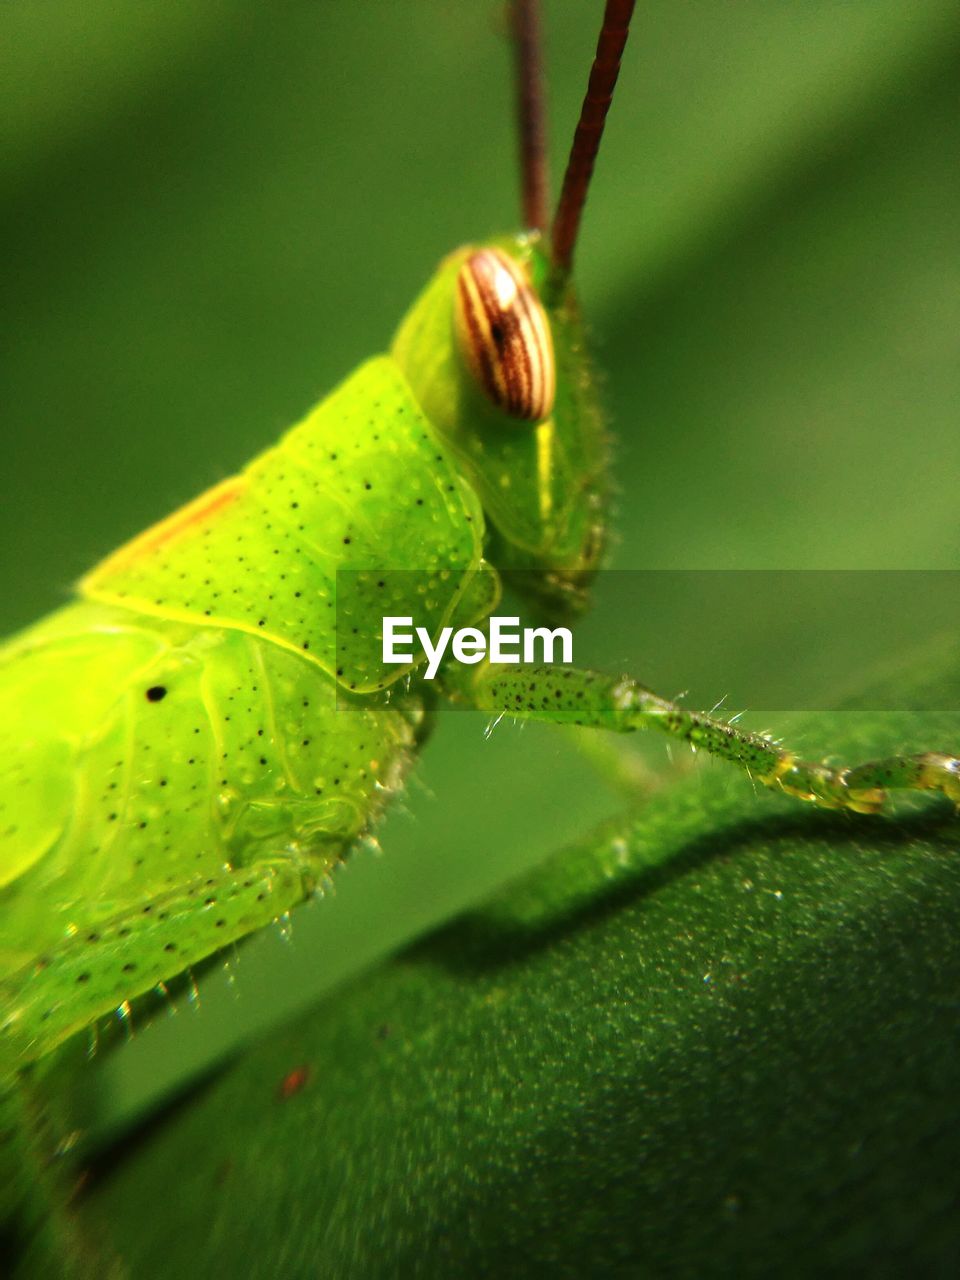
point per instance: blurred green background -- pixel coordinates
(210, 213)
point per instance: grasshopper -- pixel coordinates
(204, 733)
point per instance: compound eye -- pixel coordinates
(504, 335)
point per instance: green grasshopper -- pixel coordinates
(192, 745)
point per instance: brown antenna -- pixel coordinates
(586, 140)
(531, 122)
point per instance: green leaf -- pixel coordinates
(718, 1037)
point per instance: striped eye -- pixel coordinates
(504, 335)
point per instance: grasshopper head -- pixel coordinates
(493, 349)
(503, 376)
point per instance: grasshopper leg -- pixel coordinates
(566, 695)
(92, 972)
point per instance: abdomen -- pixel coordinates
(164, 790)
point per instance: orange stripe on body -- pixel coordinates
(194, 514)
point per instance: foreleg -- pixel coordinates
(566, 695)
